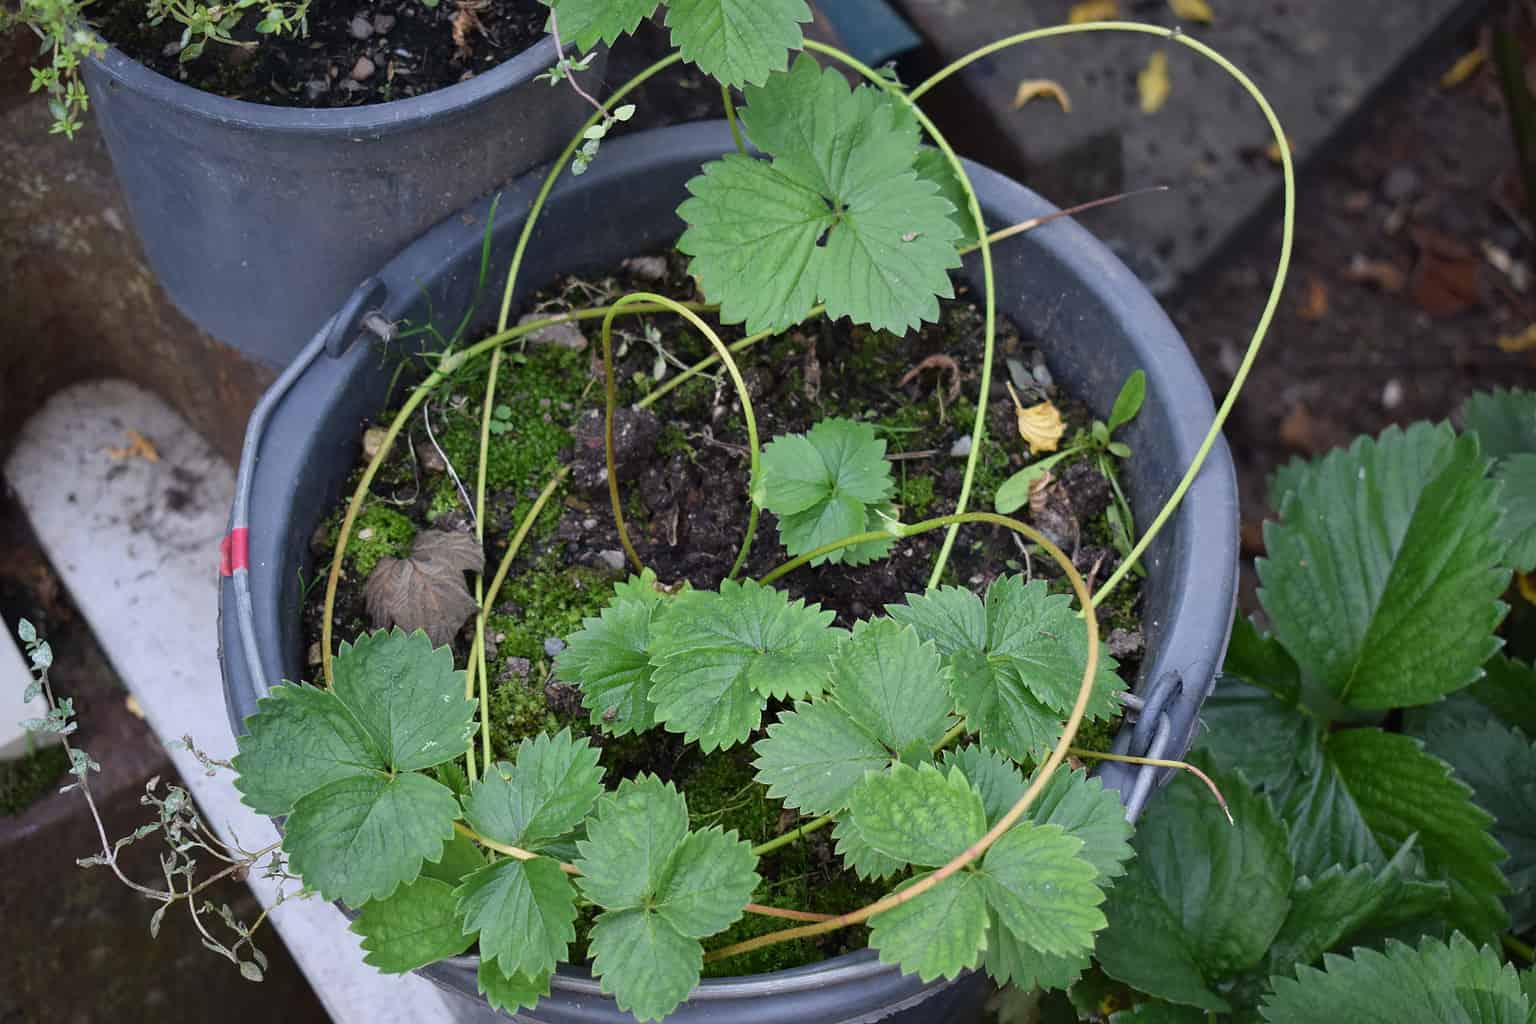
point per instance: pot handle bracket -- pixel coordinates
(360, 314)
(1151, 737)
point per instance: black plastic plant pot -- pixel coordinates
(1064, 290)
(260, 220)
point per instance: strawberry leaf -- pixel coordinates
(509, 992)
(545, 795)
(918, 816)
(1043, 890)
(416, 926)
(609, 658)
(737, 42)
(1509, 691)
(720, 654)
(838, 216)
(826, 485)
(300, 739)
(939, 933)
(525, 912)
(1391, 540)
(814, 755)
(892, 684)
(588, 22)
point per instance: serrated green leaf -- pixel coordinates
(996, 779)
(644, 963)
(1010, 961)
(1387, 542)
(357, 839)
(1509, 691)
(1042, 889)
(643, 588)
(1504, 421)
(586, 22)
(1517, 476)
(1499, 764)
(299, 739)
(609, 659)
(406, 695)
(708, 881)
(932, 166)
(919, 816)
(509, 992)
(525, 912)
(892, 683)
(416, 926)
(1434, 984)
(936, 934)
(1257, 658)
(460, 857)
(629, 841)
(823, 486)
(839, 215)
(719, 654)
(865, 860)
(1204, 898)
(814, 755)
(545, 795)
(1246, 728)
(737, 42)
(1128, 402)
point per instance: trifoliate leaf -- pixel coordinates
(629, 840)
(708, 880)
(839, 216)
(1509, 691)
(1434, 984)
(823, 485)
(1016, 661)
(586, 22)
(545, 795)
(719, 654)
(407, 696)
(357, 839)
(1517, 475)
(865, 860)
(1382, 545)
(737, 42)
(609, 659)
(299, 739)
(1175, 931)
(813, 756)
(920, 816)
(1499, 763)
(1043, 890)
(892, 684)
(416, 926)
(525, 912)
(509, 992)
(662, 889)
(644, 963)
(461, 857)
(1503, 420)
(936, 934)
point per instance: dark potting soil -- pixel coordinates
(683, 477)
(370, 52)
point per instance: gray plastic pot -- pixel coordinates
(260, 220)
(1064, 290)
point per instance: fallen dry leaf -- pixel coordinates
(1093, 10)
(937, 362)
(1301, 432)
(464, 21)
(1040, 426)
(1315, 305)
(1445, 282)
(1193, 10)
(1152, 83)
(134, 707)
(1032, 88)
(138, 447)
(1466, 65)
(1525, 341)
(426, 591)
(1382, 273)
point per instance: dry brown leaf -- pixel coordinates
(1466, 65)
(1445, 281)
(1525, 341)
(138, 447)
(1032, 88)
(1382, 273)
(464, 21)
(936, 362)
(1193, 10)
(1301, 432)
(1315, 306)
(1093, 10)
(1152, 83)
(426, 591)
(1041, 425)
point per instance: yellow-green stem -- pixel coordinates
(730, 117)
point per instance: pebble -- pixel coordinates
(373, 437)
(651, 268)
(1400, 183)
(360, 27)
(613, 560)
(553, 645)
(382, 23)
(1392, 394)
(430, 460)
(565, 334)
(962, 446)
(362, 70)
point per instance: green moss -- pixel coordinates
(915, 496)
(1097, 735)
(674, 441)
(379, 532)
(445, 498)
(26, 779)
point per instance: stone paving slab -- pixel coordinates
(1319, 62)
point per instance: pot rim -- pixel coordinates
(373, 119)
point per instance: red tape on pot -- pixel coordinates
(234, 551)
